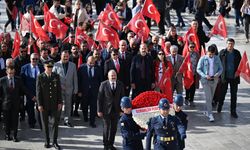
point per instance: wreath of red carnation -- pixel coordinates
(149, 98)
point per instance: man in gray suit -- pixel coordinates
(108, 107)
(69, 83)
(176, 61)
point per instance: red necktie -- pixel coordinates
(117, 66)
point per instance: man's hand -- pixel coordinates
(208, 77)
(100, 114)
(40, 108)
(59, 107)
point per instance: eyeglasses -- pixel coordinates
(34, 59)
(160, 54)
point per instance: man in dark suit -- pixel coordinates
(142, 72)
(116, 64)
(29, 73)
(108, 107)
(11, 88)
(89, 79)
(127, 58)
(49, 98)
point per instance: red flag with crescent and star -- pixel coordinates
(139, 26)
(220, 27)
(243, 68)
(186, 69)
(106, 33)
(191, 36)
(54, 25)
(109, 17)
(16, 46)
(37, 30)
(151, 11)
(80, 36)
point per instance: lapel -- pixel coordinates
(30, 71)
(109, 88)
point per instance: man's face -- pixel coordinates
(34, 59)
(71, 38)
(143, 50)
(210, 54)
(164, 112)
(23, 52)
(65, 57)
(54, 50)
(84, 46)
(122, 46)
(91, 62)
(4, 48)
(191, 47)
(112, 76)
(96, 54)
(44, 54)
(155, 40)
(74, 50)
(114, 55)
(48, 68)
(10, 72)
(42, 44)
(174, 52)
(230, 45)
(194, 25)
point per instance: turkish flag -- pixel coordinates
(186, 69)
(16, 46)
(220, 27)
(109, 17)
(54, 25)
(185, 50)
(37, 30)
(243, 68)
(191, 36)
(203, 51)
(165, 82)
(80, 36)
(139, 26)
(106, 33)
(66, 40)
(151, 11)
(45, 8)
(79, 61)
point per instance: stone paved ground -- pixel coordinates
(225, 133)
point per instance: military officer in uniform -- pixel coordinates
(178, 103)
(49, 98)
(164, 128)
(131, 132)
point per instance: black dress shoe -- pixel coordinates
(56, 146)
(112, 148)
(15, 139)
(47, 145)
(234, 115)
(68, 124)
(8, 138)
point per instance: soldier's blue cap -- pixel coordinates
(178, 100)
(164, 104)
(125, 102)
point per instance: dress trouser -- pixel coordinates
(11, 121)
(233, 92)
(209, 89)
(247, 22)
(109, 128)
(67, 100)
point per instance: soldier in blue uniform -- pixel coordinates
(131, 132)
(164, 128)
(178, 103)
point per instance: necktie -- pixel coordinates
(113, 86)
(11, 83)
(90, 72)
(35, 73)
(165, 121)
(123, 56)
(117, 66)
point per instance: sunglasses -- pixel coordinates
(34, 59)
(160, 54)
(191, 46)
(49, 66)
(114, 54)
(23, 51)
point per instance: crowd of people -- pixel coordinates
(48, 75)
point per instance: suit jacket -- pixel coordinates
(69, 81)
(11, 97)
(107, 99)
(135, 70)
(19, 62)
(127, 65)
(176, 67)
(48, 91)
(84, 82)
(27, 77)
(109, 65)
